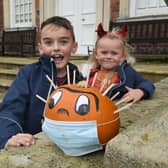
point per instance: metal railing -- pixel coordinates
(148, 36)
(21, 42)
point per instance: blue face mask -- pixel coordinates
(73, 138)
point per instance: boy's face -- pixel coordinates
(58, 43)
(109, 53)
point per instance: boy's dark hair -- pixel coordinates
(59, 21)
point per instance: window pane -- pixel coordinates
(17, 18)
(22, 12)
(26, 17)
(30, 7)
(30, 17)
(153, 3)
(147, 8)
(142, 4)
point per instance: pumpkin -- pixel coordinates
(73, 103)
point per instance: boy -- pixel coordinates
(21, 112)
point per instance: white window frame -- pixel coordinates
(24, 14)
(147, 9)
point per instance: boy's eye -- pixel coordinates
(47, 42)
(64, 42)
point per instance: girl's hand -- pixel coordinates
(20, 139)
(133, 95)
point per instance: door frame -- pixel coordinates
(103, 11)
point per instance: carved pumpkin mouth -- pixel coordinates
(63, 111)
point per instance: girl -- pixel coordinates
(110, 68)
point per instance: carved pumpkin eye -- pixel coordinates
(82, 105)
(54, 99)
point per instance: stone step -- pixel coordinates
(8, 73)
(5, 83)
(15, 62)
(18, 60)
(2, 94)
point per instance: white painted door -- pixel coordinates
(82, 14)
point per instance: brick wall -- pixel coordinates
(1, 15)
(148, 37)
(114, 10)
(37, 14)
(150, 49)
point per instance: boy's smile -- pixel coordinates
(58, 58)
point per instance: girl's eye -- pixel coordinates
(114, 53)
(104, 52)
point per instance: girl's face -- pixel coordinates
(58, 43)
(109, 53)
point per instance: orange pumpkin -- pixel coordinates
(73, 103)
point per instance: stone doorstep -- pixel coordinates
(18, 60)
(9, 71)
(5, 82)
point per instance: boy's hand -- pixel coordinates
(82, 84)
(20, 140)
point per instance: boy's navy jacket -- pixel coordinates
(21, 111)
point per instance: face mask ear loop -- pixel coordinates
(109, 122)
